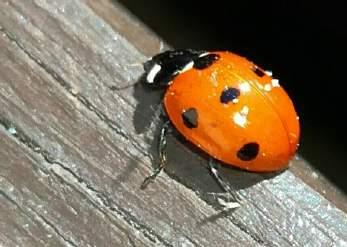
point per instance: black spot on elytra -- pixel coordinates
(205, 61)
(248, 152)
(229, 94)
(190, 118)
(258, 71)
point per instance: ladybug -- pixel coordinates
(227, 106)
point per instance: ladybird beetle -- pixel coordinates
(227, 106)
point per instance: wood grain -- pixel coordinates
(74, 152)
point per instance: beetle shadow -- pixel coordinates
(148, 108)
(186, 163)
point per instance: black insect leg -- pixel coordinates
(162, 155)
(213, 165)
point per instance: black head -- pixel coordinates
(161, 69)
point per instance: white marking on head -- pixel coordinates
(235, 101)
(275, 83)
(268, 72)
(187, 67)
(204, 54)
(245, 87)
(267, 87)
(153, 72)
(297, 117)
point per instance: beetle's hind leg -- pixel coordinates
(234, 203)
(161, 153)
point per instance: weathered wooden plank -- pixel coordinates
(81, 147)
(45, 204)
(120, 19)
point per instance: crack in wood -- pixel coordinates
(34, 146)
(244, 229)
(48, 224)
(63, 172)
(110, 123)
(38, 217)
(24, 139)
(104, 200)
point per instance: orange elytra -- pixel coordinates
(227, 106)
(235, 112)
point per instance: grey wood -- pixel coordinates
(74, 151)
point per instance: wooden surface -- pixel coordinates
(73, 152)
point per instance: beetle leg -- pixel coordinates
(161, 153)
(213, 165)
